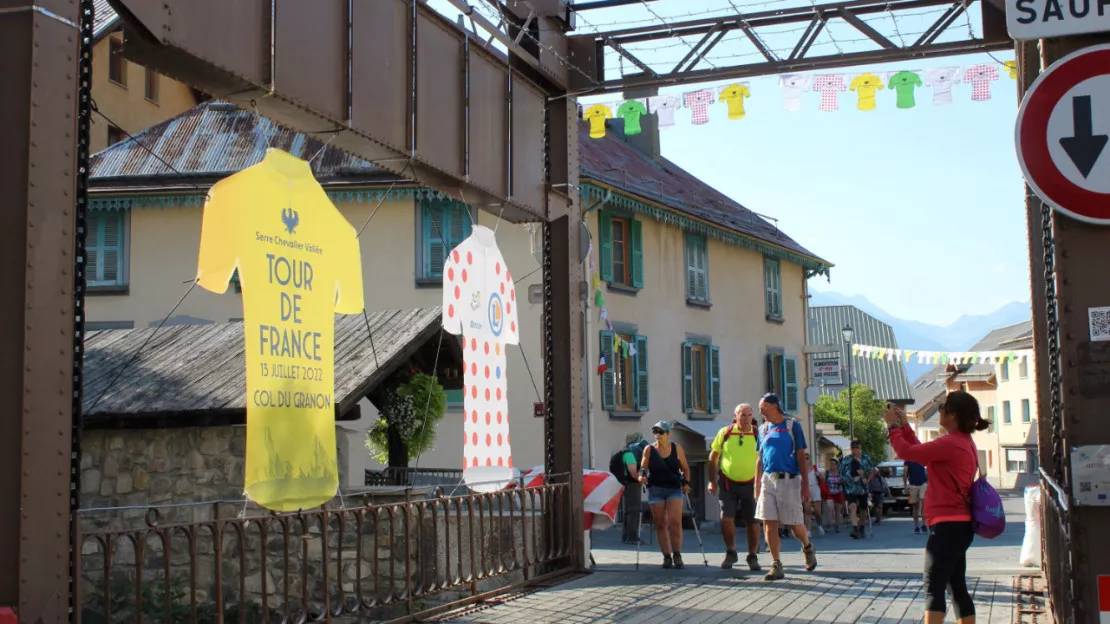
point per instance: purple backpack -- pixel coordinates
(988, 520)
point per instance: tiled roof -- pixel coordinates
(198, 370)
(104, 18)
(887, 378)
(1009, 338)
(613, 161)
(217, 139)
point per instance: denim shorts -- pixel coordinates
(657, 494)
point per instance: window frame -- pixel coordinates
(634, 374)
(991, 417)
(121, 135)
(93, 242)
(1026, 411)
(1023, 368)
(700, 351)
(780, 369)
(697, 247)
(151, 85)
(632, 256)
(422, 273)
(772, 289)
(117, 64)
(1005, 370)
(1007, 417)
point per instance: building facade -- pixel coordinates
(1007, 397)
(716, 313)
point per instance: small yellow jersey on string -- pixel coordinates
(733, 95)
(596, 115)
(299, 264)
(866, 85)
(1011, 69)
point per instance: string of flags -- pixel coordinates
(865, 86)
(624, 347)
(940, 357)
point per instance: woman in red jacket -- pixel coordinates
(953, 464)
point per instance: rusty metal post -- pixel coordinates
(38, 125)
(1075, 257)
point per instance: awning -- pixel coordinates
(838, 441)
(705, 428)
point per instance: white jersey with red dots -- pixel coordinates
(479, 302)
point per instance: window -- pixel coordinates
(624, 382)
(1026, 414)
(990, 417)
(1005, 412)
(621, 250)
(697, 269)
(106, 250)
(1006, 370)
(115, 134)
(1023, 368)
(772, 281)
(150, 86)
(1017, 460)
(443, 224)
(701, 378)
(782, 379)
(117, 65)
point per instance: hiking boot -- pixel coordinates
(811, 556)
(856, 533)
(917, 530)
(776, 572)
(730, 559)
(678, 562)
(753, 563)
(667, 562)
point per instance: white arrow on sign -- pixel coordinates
(1078, 131)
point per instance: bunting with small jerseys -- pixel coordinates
(947, 83)
(871, 352)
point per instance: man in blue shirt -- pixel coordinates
(915, 479)
(780, 483)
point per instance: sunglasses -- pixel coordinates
(658, 432)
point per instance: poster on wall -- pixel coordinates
(479, 302)
(825, 369)
(298, 264)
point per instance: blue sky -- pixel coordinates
(921, 210)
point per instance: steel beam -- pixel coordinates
(591, 78)
(38, 121)
(394, 76)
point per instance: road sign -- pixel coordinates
(1062, 131)
(1041, 19)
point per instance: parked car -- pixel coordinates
(895, 498)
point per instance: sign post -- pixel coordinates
(1061, 135)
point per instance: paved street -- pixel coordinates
(873, 580)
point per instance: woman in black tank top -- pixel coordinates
(667, 475)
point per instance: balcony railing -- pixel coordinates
(381, 561)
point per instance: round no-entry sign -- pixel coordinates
(1063, 128)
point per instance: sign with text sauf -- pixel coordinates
(1043, 19)
(299, 264)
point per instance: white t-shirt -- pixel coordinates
(793, 86)
(941, 80)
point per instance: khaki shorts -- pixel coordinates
(780, 500)
(916, 493)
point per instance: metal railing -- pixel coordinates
(1056, 548)
(392, 561)
(415, 477)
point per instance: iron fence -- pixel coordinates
(415, 477)
(376, 562)
(1056, 549)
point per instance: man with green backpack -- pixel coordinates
(622, 465)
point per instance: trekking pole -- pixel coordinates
(694, 521)
(640, 526)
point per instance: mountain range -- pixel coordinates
(960, 335)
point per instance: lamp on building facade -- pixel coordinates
(847, 331)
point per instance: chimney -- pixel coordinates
(647, 141)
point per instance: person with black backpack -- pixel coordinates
(623, 466)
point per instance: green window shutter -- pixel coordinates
(691, 271)
(687, 377)
(605, 245)
(608, 378)
(1026, 415)
(637, 237)
(697, 283)
(790, 385)
(104, 249)
(772, 281)
(1006, 412)
(643, 394)
(444, 225)
(771, 373)
(714, 390)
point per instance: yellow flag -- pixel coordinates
(299, 264)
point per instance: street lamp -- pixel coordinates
(847, 331)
